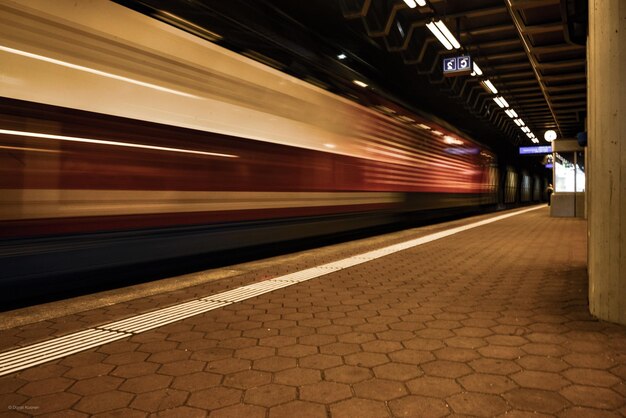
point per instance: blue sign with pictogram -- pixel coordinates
(461, 65)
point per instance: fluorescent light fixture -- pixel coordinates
(331, 146)
(114, 143)
(509, 113)
(521, 122)
(477, 70)
(504, 102)
(514, 113)
(530, 135)
(438, 133)
(446, 32)
(94, 71)
(421, 3)
(421, 125)
(525, 129)
(342, 56)
(518, 122)
(439, 35)
(411, 3)
(490, 86)
(498, 100)
(535, 140)
(359, 83)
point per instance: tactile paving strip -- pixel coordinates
(25, 357)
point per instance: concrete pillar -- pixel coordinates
(607, 159)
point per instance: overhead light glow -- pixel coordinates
(439, 35)
(535, 140)
(93, 71)
(452, 140)
(504, 102)
(549, 135)
(529, 134)
(518, 122)
(114, 143)
(438, 133)
(514, 113)
(421, 3)
(498, 101)
(525, 129)
(359, 83)
(331, 146)
(342, 56)
(521, 122)
(411, 3)
(490, 86)
(477, 70)
(421, 125)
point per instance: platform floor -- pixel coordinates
(491, 321)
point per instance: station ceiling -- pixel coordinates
(532, 51)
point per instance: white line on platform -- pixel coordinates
(32, 355)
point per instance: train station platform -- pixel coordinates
(485, 316)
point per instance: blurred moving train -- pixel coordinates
(125, 140)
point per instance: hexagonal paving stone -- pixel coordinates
(339, 349)
(46, 386)
(593, 397)
(135, 369)
(366, 359)
(146, 383)
(494, 366)
(436, 387)
(178, 368)
(159, 400)
(466, 342)
(411, 356)
(578, 411)
(423, 344)
(444, 368)
(320, 361)
(241, 410)
(228, 366)
(101, 402)
(317, 339)
(270, 395)
(254, 353)
(325, 392)
(418, 406)
(247, 379)
(58, 403)
(347, 374)
(356, 337)
(297, 350)
(541, 363)
(397, 371)
(361, 408)
(592, 377)
(299, 409)
(487, 383)
(456, 354)
(540, 380)
(214, 398)
(592, 361)
(536, 400)
(274, 364)
(379, 389)
(477, 404)
(196, 381)
(501, 352)
(96, 385)
(90, 370)
(297, 376)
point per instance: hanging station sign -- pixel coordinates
(459, 65)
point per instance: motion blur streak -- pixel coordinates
(93, 71)
(102, 142)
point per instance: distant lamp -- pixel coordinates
(549, 135)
